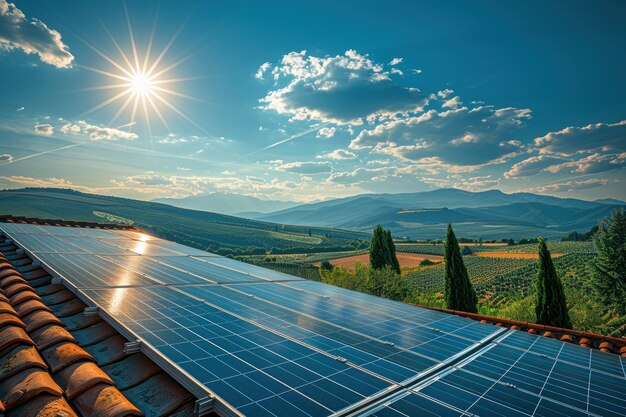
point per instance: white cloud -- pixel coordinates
(44, 129)
(96, 132)
(395, 61)
(6, 158)
(532, 166)
(416, 71)
(20, 108)
(462, 136)
(32, 37)
(326, 132)
(360, 175)
(594, 137)
(260, 73)
(342, 89)
(305, 167)
(565, 186)
(453, 103)
(338, 154)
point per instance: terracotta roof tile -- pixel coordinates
(3, 298)
(80, 321)
(15, 288)
(7, 269)
(64, 354)
(94, 334)
(57, 298)
(18, 359)
(68, 308)
(29, 306)
(40, 282)
(50, 335)
(159, 393)
(23, 296)
(8, 319)
(44, 405)
(27, 384)
(79, 377)
(38, 319)
(105, 400)
(108, 351)
(36, 274)
(132, 370)
(6, 308)
(10, 335)
(50, 289)
(11, 279)
(186, 410)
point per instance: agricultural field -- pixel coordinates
(407, 260)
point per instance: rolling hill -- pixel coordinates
(227, 203)
(490, 214)
(205, 230)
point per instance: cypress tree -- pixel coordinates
(550, 304)
(377, 248)
(395, 265)
(458, 290)
(609, 266)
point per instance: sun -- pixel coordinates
(141, 84)
(141, 81)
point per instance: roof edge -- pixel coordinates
(9, 218)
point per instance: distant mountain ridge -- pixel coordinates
(488, 214)
(227, 203)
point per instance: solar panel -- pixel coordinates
(253, 369)
(270, 344)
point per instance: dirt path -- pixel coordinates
(406, 260)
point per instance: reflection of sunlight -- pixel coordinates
(116, 300)
(140, 247)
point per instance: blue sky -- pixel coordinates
(311, 101)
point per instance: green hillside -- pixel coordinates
(211, 231)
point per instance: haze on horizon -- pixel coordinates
(291, 102)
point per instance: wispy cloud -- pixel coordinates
(44, 129)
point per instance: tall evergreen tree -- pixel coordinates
(458, 290)
(383, 250)
(550, 303)
(609, 277)
(395, 264)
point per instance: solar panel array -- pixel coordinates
(264, 343)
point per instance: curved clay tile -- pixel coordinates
(160, 393)
(57, 297)
(64, 354)
(68, 308)
(7, 308)
(26, 385)
(108, 351)
(50, 289)
(15, 288)
(7, 319)
(38, 319)
(80, 321)
(18, 359)
(23, 296)
(105, 400)
(50, 335)
(40, 282)
(584, 342)
(29, 306)
(10, 335)
(80, 377)
(11, 279)
(37, 273)
(44, 405)
(94, 334)
(132, 370)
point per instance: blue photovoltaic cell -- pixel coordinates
(205, 270)
(372, 354)
(256, 271)
(186, 250)
(78, 231)
(147, 248)
(410, 404)
(96, 246)
(11, 228)
(86, 270)
(156, 270)
(255, 370)
(45, 243)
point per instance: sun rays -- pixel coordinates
(141, 84)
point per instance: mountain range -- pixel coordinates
(424, 215)
(227, 203)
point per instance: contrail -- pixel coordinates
(40, 153)
(290, 138)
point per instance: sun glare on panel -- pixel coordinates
(141, 82)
